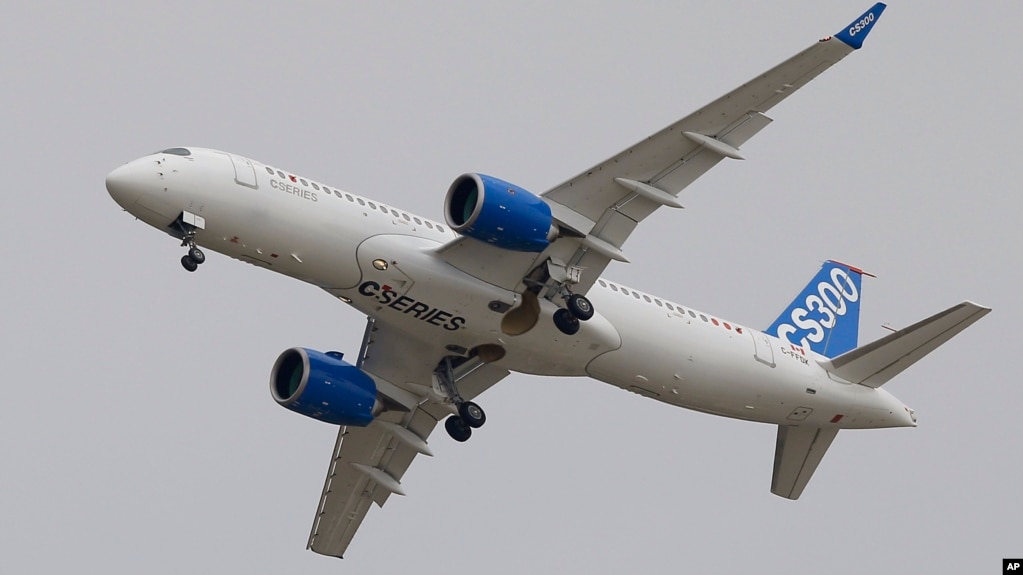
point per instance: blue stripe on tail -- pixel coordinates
(825, 316)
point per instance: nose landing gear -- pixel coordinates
(185, 227)
(191, 260)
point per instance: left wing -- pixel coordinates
(602, 206)
(368, 462)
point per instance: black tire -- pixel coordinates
(457, 429)
(566, 322)
(188, 263)
(197, 256)
(579, 306)
(472, 414)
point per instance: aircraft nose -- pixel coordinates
(123, 185)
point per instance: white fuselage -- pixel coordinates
(648, 345)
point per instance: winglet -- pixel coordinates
(855, 33)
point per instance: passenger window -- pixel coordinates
(658, 302)
(338, 194)
(669, 306)
(315, 187)
(418, 221)
(614, 288)
(372, 205)
(714, 321)
(404, 215)
(602, 284)
(440, 228)
(361, 203)
(269, 170)
(281, 175)
(429, 225)
(383, 209)
(395, 212)
(304, 183)
(692, 314)
(703, 317)
(635, 294)
(647, 298)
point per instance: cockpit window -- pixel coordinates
(177, 151)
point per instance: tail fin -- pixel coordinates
(825, 316)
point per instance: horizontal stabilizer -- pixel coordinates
(797, 453)
(877, 362)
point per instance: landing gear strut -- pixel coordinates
(470, 415)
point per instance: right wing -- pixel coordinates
(368, 462)
(604, 204)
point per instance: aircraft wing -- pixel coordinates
(603, 205)
(368, 462)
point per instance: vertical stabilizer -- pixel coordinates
(825, 316)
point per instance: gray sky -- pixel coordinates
(137, 433)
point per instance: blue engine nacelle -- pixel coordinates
(322, 386)
(499, 213)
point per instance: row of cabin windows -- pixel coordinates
(669, 305)
(360, 201)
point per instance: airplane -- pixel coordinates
(511, 281)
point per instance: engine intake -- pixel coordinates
(323, 387)
(497, 212)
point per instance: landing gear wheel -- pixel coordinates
(472, 414)
(457, 429)
(196, 254)
(579, 306)
(188, 263)
(566, 322)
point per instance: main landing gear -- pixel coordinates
(577, 308)
(470, 416)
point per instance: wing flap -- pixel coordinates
(879, 361)
(797, 452)
(347, 493)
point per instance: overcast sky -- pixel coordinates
(137, 432)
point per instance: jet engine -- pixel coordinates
(322, 386)
(499, 213)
